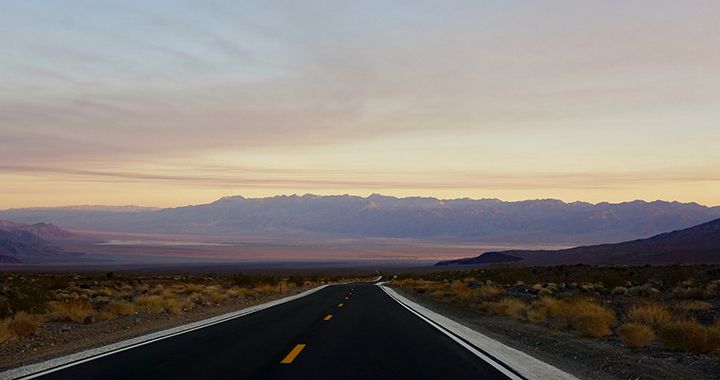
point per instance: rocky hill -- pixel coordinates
(699, 244)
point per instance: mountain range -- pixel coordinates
(699, 244)
(24, 243)
(538, 222)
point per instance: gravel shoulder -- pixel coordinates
(54, 340)
(602, 359)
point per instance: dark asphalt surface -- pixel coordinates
(370, 337)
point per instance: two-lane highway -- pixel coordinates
(350, 331)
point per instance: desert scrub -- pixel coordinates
(149, 304)
(459, 291)
(214, 297)
(71, 310)
(589, 318)
(654, 315)
(120, 308)
(538, 311)
(20, 325)
(486, 293)
(509, 307)
(6, 332)
(636, 335)
(689, 336)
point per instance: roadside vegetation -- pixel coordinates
(675, 307)
(29, 301)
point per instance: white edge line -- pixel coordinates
(40, 369)
(532, 368)
(460, 342)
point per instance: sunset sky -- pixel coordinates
(169, 103)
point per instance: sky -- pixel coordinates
(170, 103)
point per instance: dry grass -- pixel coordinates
(459, 291)
(510, 307)
(241, 293)
(6, 332)
(537, 313)
(635, 335)
(486, 293)
(587, 317)
(149, 304)
(689, 336)
(214, 297)
(654, 315)
(693, 305)
(619, 291)
(71, 310)
(120, 308)
(23, 324)
(644, 292)
(192, 288)
(265, 288)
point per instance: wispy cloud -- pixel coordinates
(87, 84)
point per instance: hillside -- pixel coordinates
(699, 244)
(492, 221)
(24, 247)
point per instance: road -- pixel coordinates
(349, 331)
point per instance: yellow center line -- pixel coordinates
(340, 305)
(328, 317)
(293, 354)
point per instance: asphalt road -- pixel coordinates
(352, 331)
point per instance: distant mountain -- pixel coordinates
(699, 244)
(24, 247)
(41, 230)
(545, 221)
(485, 258)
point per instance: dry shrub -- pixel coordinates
(265, 288)
(6, 332)
(643, 292)
(438, 294)
(510, 307)
(636, 335)
(214, 297)
(149, 304)
(72, 310)
(459, 289)
(537, 313)
(619, 291)
(431, 287)
(23, 324)
(171, 304)
(192, 288)
(587, 317)
(654, 315)
(241, 293)
(689, 336)
(120, 308)
(545, 292)
(486, 293)
(104, 316)
(105, 292)
(693, 305)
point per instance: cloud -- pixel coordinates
(93, 91)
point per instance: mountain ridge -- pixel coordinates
(486, 220)
(697, 244)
